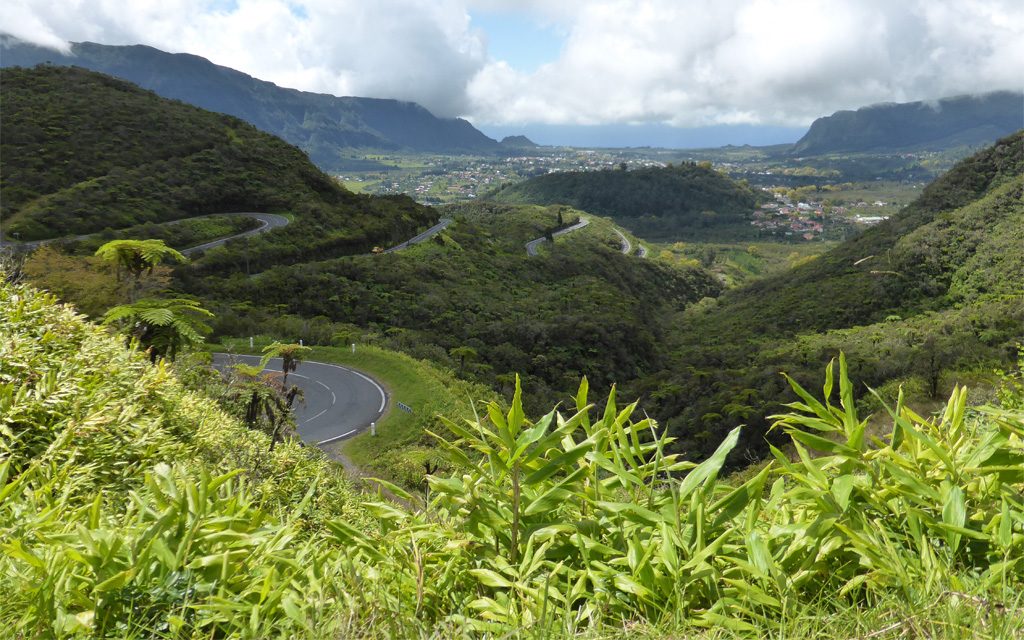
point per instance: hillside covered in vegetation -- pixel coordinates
(84, 152)
(683, 202)
(132, 506)
(933, 291)
(474, 301)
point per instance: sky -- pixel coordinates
(630, 72)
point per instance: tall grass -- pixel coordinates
(566, 523)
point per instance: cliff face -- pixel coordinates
(951, 122)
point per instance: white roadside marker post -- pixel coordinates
(373, 429)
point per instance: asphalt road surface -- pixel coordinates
(429, 233)
(268, 221)
(531, 246)
(339, 402)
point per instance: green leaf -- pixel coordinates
(954, 514)
(116, 581)
(709, 467)
(737, 500)
(626, 583)
(491, 578)
(841, 489)
(823, 445)
(1005, 526)
(562, 462)
(556, 495)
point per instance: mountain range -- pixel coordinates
(914, 126)
(324, 126)
(333, 130)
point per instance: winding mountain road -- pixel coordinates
(532, 245)
(339, 402)
(626, 245)
(268, 222)
(441, 225)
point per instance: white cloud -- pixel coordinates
(758, 61)
(421, 50)
(685, 62)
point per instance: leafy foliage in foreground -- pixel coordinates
(127, 502)
(128, 509)
(574, 522)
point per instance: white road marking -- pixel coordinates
(330, 440)
(383, 396)
(308, 420)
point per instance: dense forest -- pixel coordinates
(682, 202)
(127, 157)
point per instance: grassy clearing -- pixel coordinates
(361, 186)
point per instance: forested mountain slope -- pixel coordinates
(934, 290)
(473, 300)
(84, 152)
(946, 123)
(687, 201)
(322, 125)
(907, 262)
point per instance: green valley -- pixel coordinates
(640, 399)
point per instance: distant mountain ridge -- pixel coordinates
(947, 123)
(324, 126)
